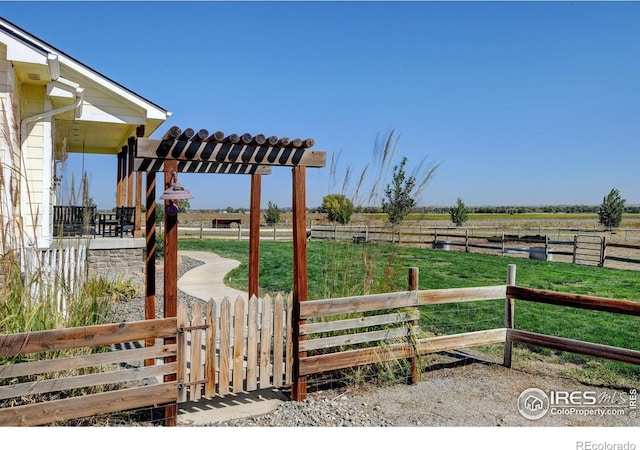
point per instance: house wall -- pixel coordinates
(35, 181)
(8, 145)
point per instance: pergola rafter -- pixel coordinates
(232, 149)
(246, 154)
(157, 165)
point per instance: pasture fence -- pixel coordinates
(619, 248)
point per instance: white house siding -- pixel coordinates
(36, 180)
(8, 140)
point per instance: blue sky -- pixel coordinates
(522, 103)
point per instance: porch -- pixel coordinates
(79, 221)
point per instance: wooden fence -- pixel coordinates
(249, 346)
(49, 366)
(577, 246)
(238, 346)
(57, 273)
(370, 329)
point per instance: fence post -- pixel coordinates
(603, 251)
(509, 315)
(575, 248)
(413, 280)
(201, 230)
(466, 241)
(546, 247)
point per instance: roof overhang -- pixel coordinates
(109, 114)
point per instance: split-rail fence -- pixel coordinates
(237, 346)
(570, 245)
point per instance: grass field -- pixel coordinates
(338, 269)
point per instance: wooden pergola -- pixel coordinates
(254, 155)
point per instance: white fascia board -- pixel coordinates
(18, 51)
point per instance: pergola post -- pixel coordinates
(254, 235)
(170, 278)
(150, 262)
(300, 282)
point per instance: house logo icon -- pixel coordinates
(533, 403)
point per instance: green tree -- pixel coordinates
(338, 208)
(399, 195)
(183, 205)
(272, 215)
(611, 209)
(160, 212)
(459, 213)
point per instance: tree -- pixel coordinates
(338, 208)
(459, 213)
(611, 209)
(272, 215)
(399, 195)
(183, 205)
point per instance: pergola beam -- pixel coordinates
(227, 152)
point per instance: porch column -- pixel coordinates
(119, 179)
(300, 282)
(137, 218)
(130, 172)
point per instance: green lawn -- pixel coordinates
(338, 269)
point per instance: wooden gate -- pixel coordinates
(588, 250)
(233, 346)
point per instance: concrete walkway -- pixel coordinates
(206, 282)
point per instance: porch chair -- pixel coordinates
(118, 223)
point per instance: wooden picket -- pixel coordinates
(240, 346)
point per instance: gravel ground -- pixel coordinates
(134, 309)
(473, 395)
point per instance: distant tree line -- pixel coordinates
(497, 209)
(593, 209)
